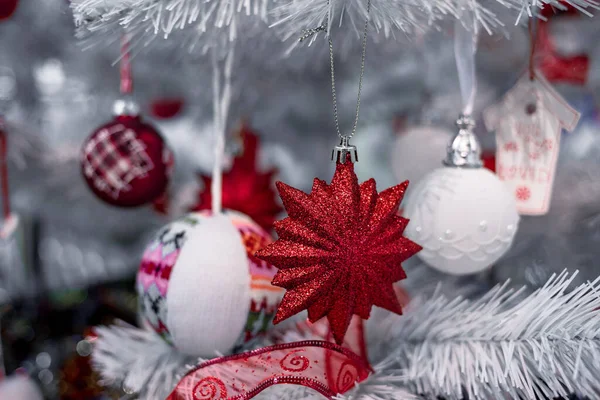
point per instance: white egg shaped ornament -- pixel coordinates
(201, 288)
(464, 218)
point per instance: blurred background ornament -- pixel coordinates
(7, 8)
(77, 380)
(244, 187)
(166, 108)
(200, 271)
(19, 387)
(557, 67)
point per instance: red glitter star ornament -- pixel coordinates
(340, 250)
(245, 189)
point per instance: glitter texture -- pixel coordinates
(340, 250)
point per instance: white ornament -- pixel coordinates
(416, 152)
(464, 218)
(19, 388)
(200, 286)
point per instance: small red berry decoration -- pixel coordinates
(166, 108)
(126, 162)
(7, 8)
(340, 250)
(245, 189)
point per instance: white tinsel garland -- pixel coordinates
(502, 345)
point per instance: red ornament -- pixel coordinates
(126, 162)
(489, 160)
(244, 188)
(340, 250)
(162, 203)
(166, 108)
(556, 68)
(7, 8)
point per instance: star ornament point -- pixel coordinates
(339, 250)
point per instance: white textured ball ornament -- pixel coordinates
(19, 388)
(200, 286)
(416, 152)
(464, 218)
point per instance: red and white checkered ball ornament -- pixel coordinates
(126, 162)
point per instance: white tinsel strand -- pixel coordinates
(504, 344)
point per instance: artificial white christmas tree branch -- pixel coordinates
(503, 345)
(546, 344)
(137, 360)
(218, 19)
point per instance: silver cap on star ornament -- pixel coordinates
(340, 153)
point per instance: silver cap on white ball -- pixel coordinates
(464, 151)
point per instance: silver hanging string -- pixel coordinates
(464, 151)
(309, 33)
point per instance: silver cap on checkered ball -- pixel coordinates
(126, 106)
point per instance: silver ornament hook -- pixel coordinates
(464, 150)
(340, 153)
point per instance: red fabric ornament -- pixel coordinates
(126, 162)
(340, 250)
(7, 8)
(166, 108)
(244, 188)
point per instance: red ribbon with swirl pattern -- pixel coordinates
(326, 367)
(321, 365)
